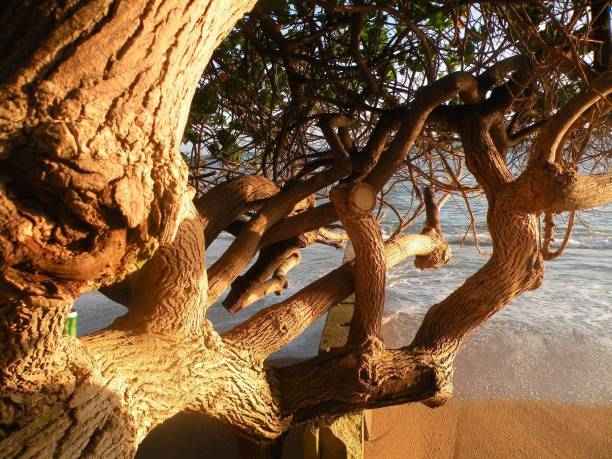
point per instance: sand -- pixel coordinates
(461, 429)
(491, 429)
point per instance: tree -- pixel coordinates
(336, 99)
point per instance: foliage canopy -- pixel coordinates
(257, 106)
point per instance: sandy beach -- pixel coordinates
(491, 429)
(462, 429)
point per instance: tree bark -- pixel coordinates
(354, 203)
(93, 102)
(226, 202)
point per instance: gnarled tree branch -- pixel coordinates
(557, 126)
(224, 203)
(549, 187)
(354, 203)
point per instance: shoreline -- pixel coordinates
(474, 429)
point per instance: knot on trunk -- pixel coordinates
(441, 372)
(443, 381)
(366, 354)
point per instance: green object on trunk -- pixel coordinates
(71, 323)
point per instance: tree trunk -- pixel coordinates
(93, 102)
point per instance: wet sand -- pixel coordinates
(461, 429)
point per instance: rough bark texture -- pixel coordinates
(274, 327)
(93, 101)
(223, 272)
(354, 204)
(224, 203)
(92, 189)
(268, 274)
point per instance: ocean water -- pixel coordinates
(551, 344)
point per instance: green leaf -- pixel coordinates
(437, 20)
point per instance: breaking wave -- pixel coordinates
(595, 241)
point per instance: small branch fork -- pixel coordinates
(268, 274)
(433, 228)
